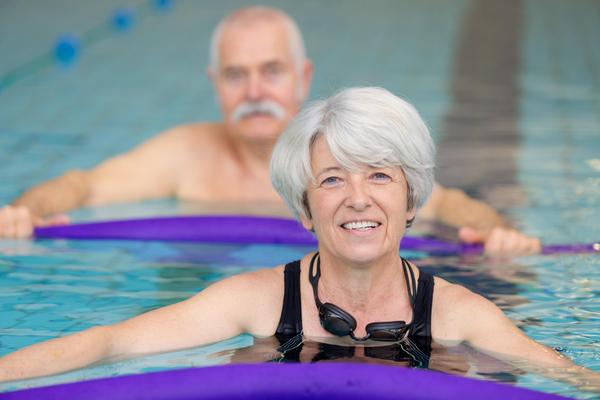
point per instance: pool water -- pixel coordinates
(529, 142)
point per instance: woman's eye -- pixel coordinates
(330, 181)
(381, 177)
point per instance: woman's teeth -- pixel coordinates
(360, 225)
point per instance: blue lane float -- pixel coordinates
(122, 19)
(244, 229)
(330, 381)
(162, 5)
(67, 48)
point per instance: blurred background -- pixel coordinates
(510, 89)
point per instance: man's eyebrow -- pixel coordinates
(271, 63)
(232, 67)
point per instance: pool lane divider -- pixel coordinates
(68, 46)
(330, 381)
(246, 229)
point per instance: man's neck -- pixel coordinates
(253, 156)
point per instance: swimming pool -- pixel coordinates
(127, 86)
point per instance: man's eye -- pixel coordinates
(272, 70)
(234, 75)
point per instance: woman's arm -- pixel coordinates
(484, 326)
(242, 303)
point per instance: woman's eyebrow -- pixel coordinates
(328, 169)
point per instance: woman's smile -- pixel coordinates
(361, 226)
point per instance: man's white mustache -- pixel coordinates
(248, 108)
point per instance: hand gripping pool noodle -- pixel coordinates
(327, 381)
(242, 229)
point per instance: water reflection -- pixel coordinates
(456, 359)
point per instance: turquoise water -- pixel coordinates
(127, 86)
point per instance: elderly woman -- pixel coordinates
(354, 168)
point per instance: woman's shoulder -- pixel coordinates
(451, 295)
(453, 305)
(261, 279)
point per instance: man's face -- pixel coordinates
(258, 86)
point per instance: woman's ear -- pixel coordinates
(306, 216)
(306, 222)
(410, 216)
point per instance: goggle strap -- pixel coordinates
(314, 278)
(411, 284)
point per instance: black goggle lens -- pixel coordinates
(388, 332)
(335, 320)
(336, 326)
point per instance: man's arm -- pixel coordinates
(477, 222)
(242, 303)
(148, 171)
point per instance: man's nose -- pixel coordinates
(358, 195)
(255, 87)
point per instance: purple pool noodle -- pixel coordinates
(331, 381)
(247, 229)
(212, 229)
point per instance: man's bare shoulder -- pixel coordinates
(194, 133)
(187, 148)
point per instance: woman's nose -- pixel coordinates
(358, 196)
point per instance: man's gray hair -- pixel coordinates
(362, 126)
(249, 15)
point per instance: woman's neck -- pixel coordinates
(360, 287)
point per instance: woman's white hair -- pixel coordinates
(362, 126)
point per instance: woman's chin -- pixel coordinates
(364, 254)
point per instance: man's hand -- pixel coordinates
(501, 241)
(18, 222)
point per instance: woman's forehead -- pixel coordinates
(323, 159)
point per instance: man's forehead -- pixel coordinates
(255, 42)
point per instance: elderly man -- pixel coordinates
(260, 85)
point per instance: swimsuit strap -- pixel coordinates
(421, 326)
(290, 323)
(410, 285)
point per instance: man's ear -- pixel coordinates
(307, 75)
(211, 74)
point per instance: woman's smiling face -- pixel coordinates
(357, 216)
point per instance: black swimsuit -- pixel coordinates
(415, 349)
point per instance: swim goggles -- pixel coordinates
(341, 323)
